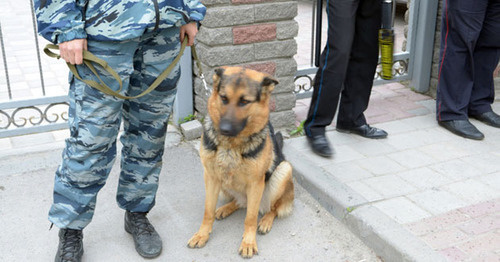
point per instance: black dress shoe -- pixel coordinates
(320, 145)
(147, 241)
(364, 131)
(463, 128)
(489, 118)
(70, 245)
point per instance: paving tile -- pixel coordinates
(445, 239)
(338, 138)
(437, 223)
(380, 165)
(488, 223)
(365, 191)
(395, 127)
(486, 162)
(412, 158)
(401, 210)
(347, 172)
(424, 178)
(454, 254)
(480, 244)
(373, 148)
(488, 207)
(492, 180)
(456, 169)
(390, 185)
(437, 201)
(485, 257)
(471, 191)
(421, 122)
(345, 153)
(443, 151)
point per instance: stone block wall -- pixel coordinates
(255, 34)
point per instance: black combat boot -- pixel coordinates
(147, 241)
(70, 245)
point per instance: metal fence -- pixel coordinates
(33, 87)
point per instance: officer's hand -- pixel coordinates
(190, 30)
(72, 51)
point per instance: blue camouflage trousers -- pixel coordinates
(95, 119)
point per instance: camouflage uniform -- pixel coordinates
(138, 39)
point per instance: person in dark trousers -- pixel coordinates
(470, 51)
(346, 71)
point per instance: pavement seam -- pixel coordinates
(388, 239)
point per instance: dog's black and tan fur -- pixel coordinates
(242, 157)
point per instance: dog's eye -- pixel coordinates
(224, 100)
(243, 102)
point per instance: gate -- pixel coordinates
(414, 64)
(33, 87)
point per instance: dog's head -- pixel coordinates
(239, 104)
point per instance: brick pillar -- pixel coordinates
(256, 34)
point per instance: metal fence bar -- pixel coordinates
(6, 68)
(37, 47)
(422, 43)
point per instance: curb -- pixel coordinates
(391, 241)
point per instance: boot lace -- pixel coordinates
(141, 223)
(71, 241)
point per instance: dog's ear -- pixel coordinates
(216, 78)
(268, 84)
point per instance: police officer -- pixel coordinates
(346, 70)
(470, 51)
(138, 39)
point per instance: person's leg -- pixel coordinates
(143, 139)
(461, 26)
(486, 56)
(333, 65)
(360, 72)
(331, 73)
(362, 65)
(94, 120)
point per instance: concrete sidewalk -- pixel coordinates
(422, 194)
(26, 180)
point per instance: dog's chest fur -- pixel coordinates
(231, 159)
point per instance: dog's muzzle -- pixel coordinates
(231, 128)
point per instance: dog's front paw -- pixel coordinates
(198, 240)
(248, 249)
(265, 224)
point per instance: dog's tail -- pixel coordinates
(279, 140)
(277, 144)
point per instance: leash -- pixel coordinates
(89, 59)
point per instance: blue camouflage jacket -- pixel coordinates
(111, 20)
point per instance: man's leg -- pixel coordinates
(360, 72)
(94, 120)
(143, 139)
(331, 73)
(486, 56)
(461, 26)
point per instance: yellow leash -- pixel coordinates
(89, 59)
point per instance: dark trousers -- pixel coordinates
(347, 65)
(470, 51)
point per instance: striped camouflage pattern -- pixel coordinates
(95, 118)
(111, 20)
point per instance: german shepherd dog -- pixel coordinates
(242, 156)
